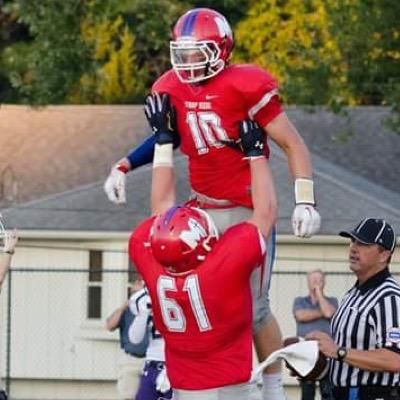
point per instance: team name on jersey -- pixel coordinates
(198, 105)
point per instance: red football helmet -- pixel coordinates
(201, 46)
(181, 238)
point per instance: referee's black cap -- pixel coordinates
(373, 231)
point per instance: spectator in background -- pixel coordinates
(10, 240)
(122, 319)
(154, 383)
(314, 312)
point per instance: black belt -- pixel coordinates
(366, 393)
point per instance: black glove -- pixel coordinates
(251, 140)
(160, 116)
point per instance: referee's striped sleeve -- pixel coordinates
(386, 315)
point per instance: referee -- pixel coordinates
(364, 349)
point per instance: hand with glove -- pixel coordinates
(161, 117)
(306, 220)
(251, 140)
(114, 186)
(162, 382)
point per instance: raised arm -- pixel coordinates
(306, 220)
(113, 320)
(158, 112)
(262, 184)
(142, 154)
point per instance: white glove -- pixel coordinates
(162, 381)
(114, 186)
(306, 220)
(140, 303)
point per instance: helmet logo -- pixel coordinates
(194, 234)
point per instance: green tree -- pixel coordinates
(48, 66)
(114, 76)
(368, 33)
(292, 39)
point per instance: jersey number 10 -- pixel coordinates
(172, 313)
(206, 130)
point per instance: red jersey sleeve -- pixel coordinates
(260, 94)
(165, 83)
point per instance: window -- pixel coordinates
(95, 284)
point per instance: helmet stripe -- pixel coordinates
(188, 25)
(169, 214)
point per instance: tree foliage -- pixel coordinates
(292, 39)
(57, 55)
(114, 76)
(368, 33)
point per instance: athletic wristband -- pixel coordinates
(163, 155)
(122, 168)
(304, 191)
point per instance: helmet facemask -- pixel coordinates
(195, 61)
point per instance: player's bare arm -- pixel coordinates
(157, 110)
(115, 184)
(306, 220)
(262, 185)
(286, 136)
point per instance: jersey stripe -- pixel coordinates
(264, 101)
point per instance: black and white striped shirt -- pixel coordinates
(368, 318)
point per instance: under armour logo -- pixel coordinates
(259, 144)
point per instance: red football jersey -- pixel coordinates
(210, 112)
(205, 316)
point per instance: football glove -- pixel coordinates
(306, 220)
(162, 381)
(114, 186)
(251, 140)
(161, 117)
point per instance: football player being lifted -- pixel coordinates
(209, 97)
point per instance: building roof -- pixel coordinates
(52, 149)
(358, 139)
(343, 200)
